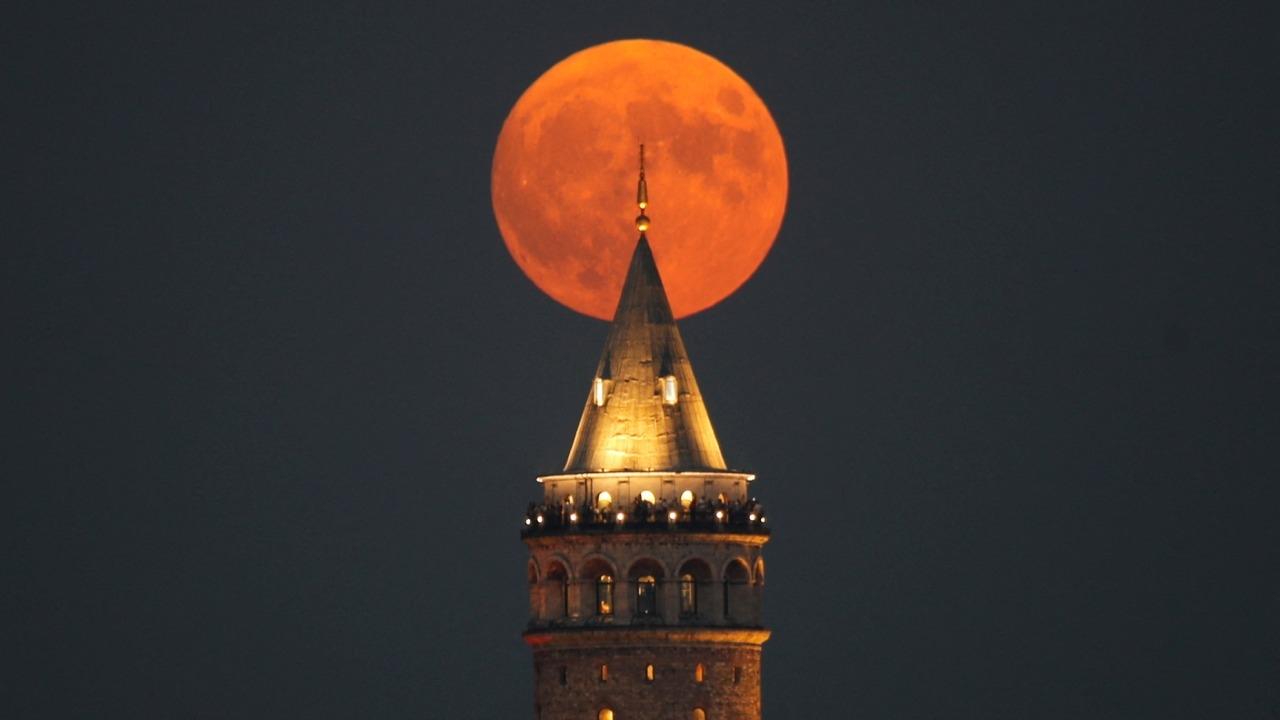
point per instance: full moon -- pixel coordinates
(567, 161)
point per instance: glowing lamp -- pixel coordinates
(621, 517)
(752, 517)
(573, 517)
(719, 514)
(539, 519)
(527, 521)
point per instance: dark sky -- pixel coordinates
(279, 394)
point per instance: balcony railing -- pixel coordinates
(707, 516)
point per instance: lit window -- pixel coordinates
(597, 392)
(647, 596)
(669, 390)
(699, 714)
(605, 714)
(699, 673)
(604, 500)
(648, 496)
(604, 595)
(686, 499)
(604, 673)
(689, 598)
(648, 673)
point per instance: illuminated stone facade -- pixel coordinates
(645, 571)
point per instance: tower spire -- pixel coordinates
(645, 411)
(642, 197)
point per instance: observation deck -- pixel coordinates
(642, 516)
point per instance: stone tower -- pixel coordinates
(645, 568)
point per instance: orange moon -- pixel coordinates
(566, 164)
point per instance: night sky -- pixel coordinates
(277, 393)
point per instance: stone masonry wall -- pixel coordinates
(569, 686)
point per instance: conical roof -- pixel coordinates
(630, 421)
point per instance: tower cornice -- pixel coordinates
(594, 637)
(560, 540)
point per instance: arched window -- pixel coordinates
(604, 673)
(699, 714)
(604, 595)
(604, 500)
(556, 591)
(644, 575)
(647, 595)
(737, 584)
(688, 595)
(604, 714)
(686, 499)
(596, 587)
(699, 673)
(694, 574)
(648, 673)
(648, 496)
(597, 392)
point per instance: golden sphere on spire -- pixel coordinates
(642, 222)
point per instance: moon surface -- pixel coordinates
(567, 160)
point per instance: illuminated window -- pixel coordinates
(686, 499)
(689, 597)
(604, 500)
(604, 595)
(605, 714)
(669, 390)
(647, 596)
(699, 674)
(604, 673)
(648, 673)
(597, 392)
(648, 496)
(699, 714)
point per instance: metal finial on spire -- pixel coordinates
(642, 197)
